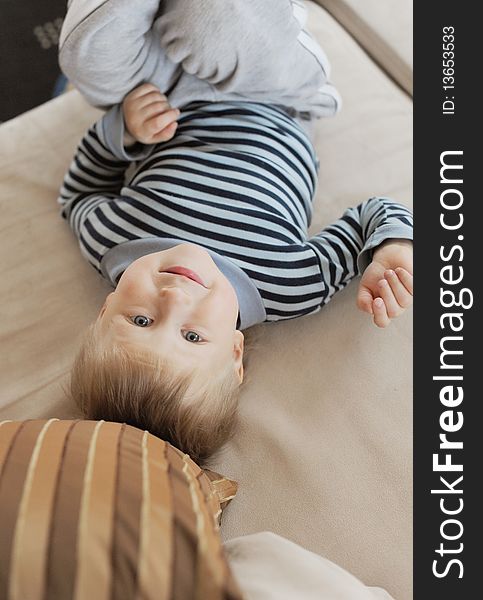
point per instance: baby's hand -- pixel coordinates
(148, 116)
(386, 287)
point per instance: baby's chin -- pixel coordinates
(189, 251)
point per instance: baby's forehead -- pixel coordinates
(162, 360)
(187, 362)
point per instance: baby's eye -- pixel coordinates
(141, 320)
(192, 336)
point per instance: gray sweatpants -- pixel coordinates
(209, 50)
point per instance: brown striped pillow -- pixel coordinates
(91, 510)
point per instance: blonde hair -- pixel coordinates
(138, 388)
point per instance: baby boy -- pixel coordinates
(193, 196)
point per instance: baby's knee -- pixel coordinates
(209, 39)
(107, 52)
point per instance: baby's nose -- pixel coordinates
(174, 296)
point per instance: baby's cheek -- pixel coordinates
(227, 302)
(129, 284)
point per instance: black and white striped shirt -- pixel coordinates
(238, 178)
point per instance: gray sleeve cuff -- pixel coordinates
(113, 129)
(383, 233)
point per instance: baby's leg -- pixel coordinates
(109, 47)
(216, 49)
(256, 49)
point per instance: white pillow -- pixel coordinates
(270, 567)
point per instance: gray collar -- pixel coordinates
(117, 259)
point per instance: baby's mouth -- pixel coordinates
(188, 273)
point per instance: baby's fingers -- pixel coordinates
(166, 134)
(143, 90)
(381, 318)
(364, 300)
(156, 124)
(406, 278)
(392, 307)
(154, 109)
(151, 98)
(403, 297)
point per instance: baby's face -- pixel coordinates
(176, 303)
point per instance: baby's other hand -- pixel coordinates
(148, 116)
(386, 287)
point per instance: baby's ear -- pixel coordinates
(238, 346)
(104, 306)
